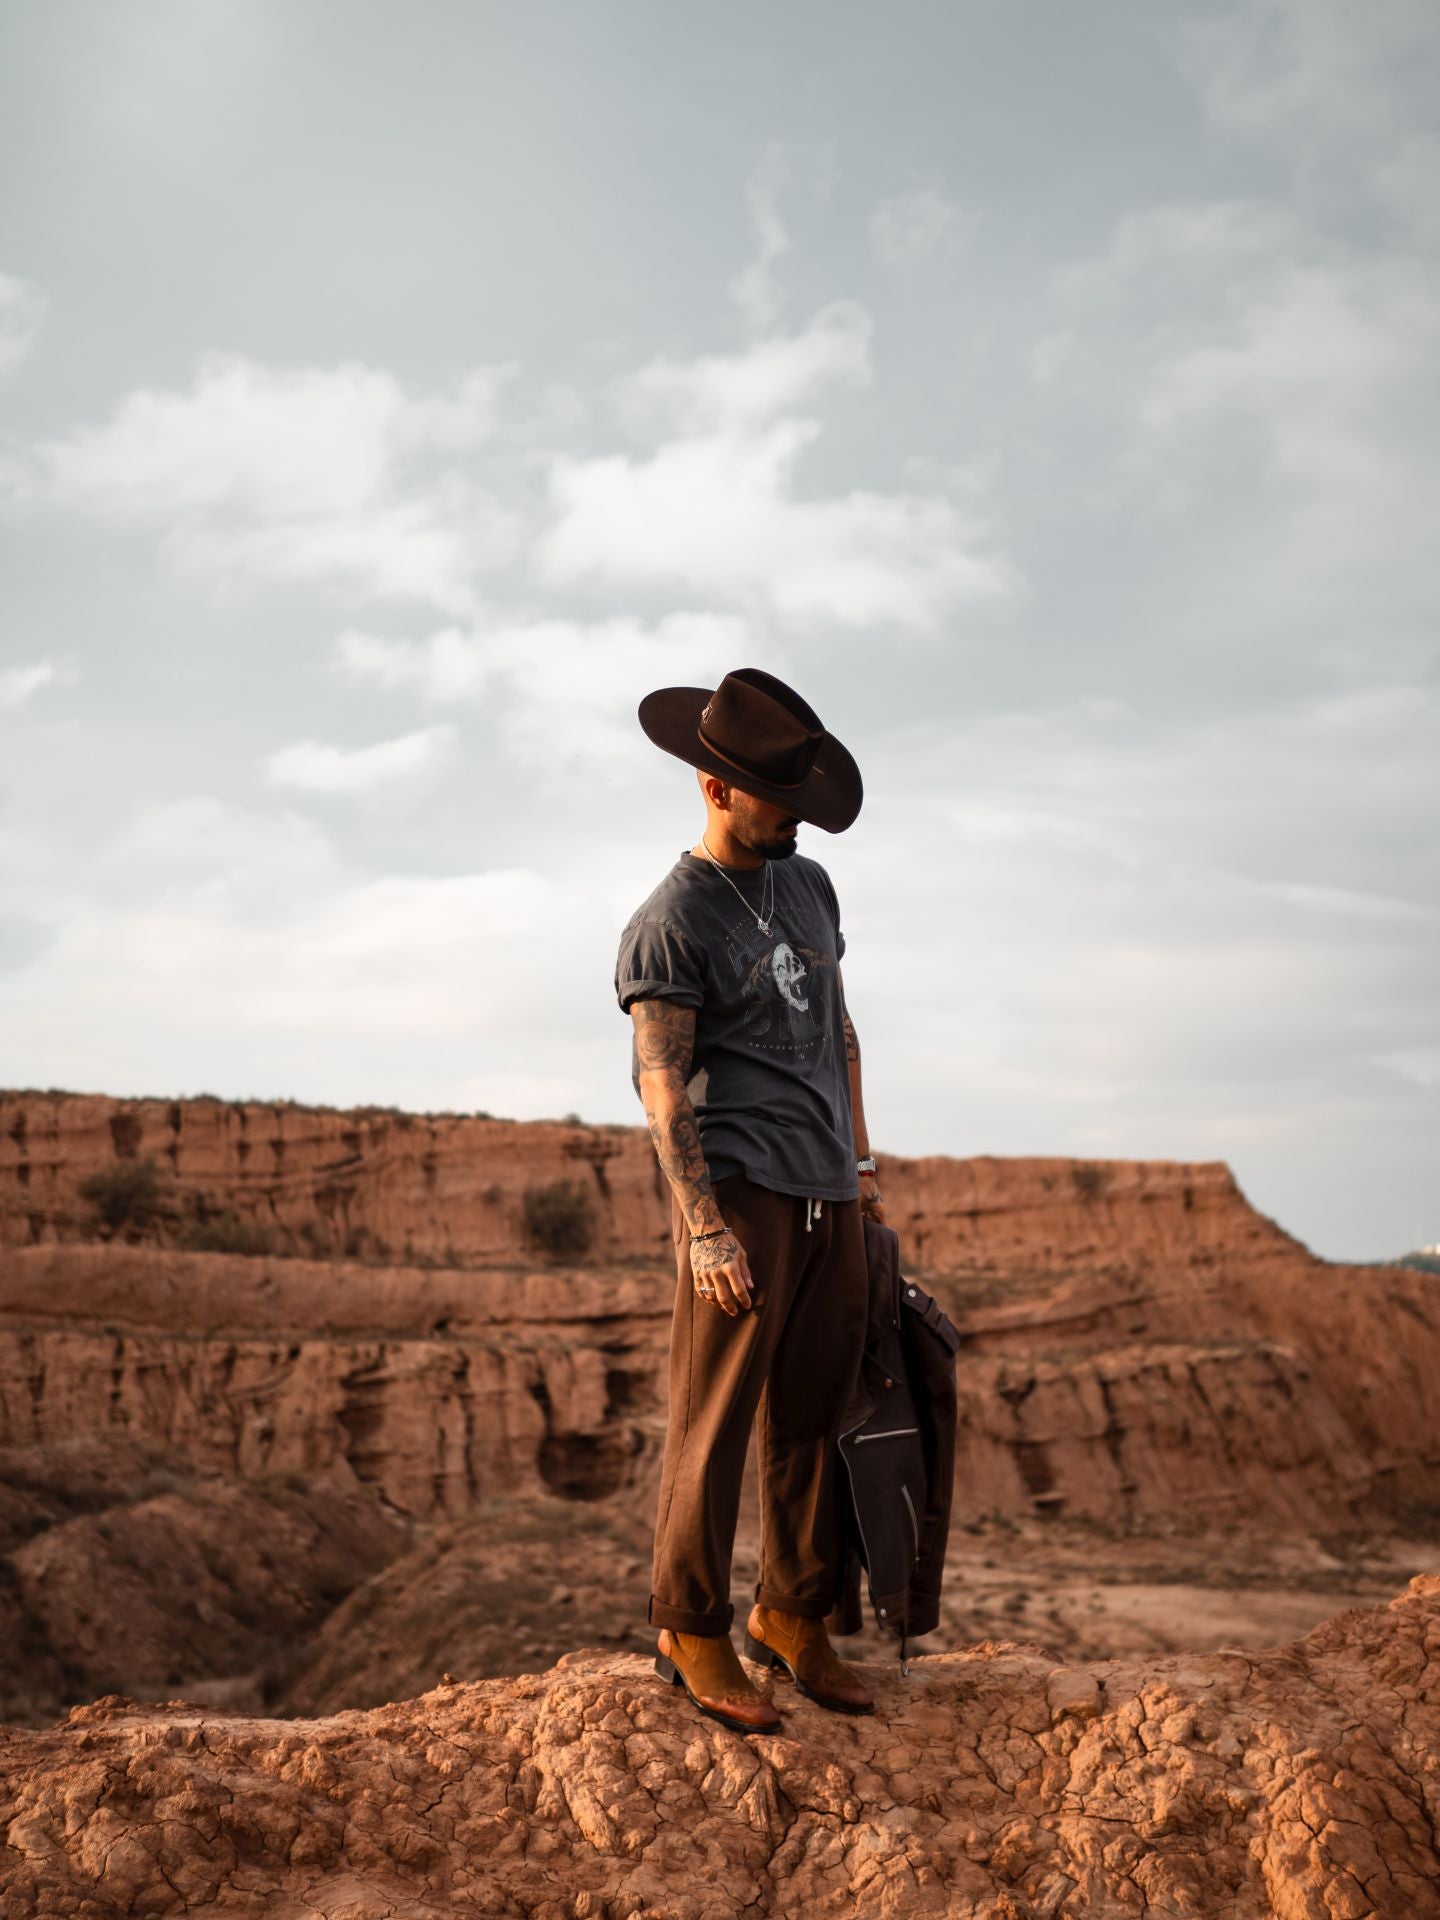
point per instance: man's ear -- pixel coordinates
(715, 790)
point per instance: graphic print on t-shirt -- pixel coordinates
(770, 1085)
(781, 987)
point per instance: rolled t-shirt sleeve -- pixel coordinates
(833, 898)
(656, 962)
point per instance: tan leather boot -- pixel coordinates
(709, 1669)
(801, 1647)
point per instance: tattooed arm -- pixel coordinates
(664, 1050)
(870, 1203)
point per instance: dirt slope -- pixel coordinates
(1296, 1783)
(118, 1568)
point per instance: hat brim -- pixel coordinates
(828, 798)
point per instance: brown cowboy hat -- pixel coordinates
(760, 735)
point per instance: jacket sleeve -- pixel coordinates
(932, 1342)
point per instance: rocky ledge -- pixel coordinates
(1299, 1782)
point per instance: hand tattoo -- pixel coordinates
(706, 1255)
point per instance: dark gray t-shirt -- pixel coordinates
(771, 1089)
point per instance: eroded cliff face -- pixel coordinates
(1141, 1345)
(1145, 1358)
(373, 1181)
(1292, 1783)
(437, 1389)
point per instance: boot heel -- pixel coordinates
(756, 1650)
(668, 1670)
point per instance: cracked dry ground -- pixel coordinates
(1300, 1782)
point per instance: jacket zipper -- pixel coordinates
(855, 1508)
(914, 1523)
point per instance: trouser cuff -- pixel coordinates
(788, 1603)
(679, 1620)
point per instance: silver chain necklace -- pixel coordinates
(767, 890)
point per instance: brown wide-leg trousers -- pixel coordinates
(795, 1356)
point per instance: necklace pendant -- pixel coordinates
(764, 926)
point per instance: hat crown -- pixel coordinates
(762, 727)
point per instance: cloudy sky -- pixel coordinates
(391, 395)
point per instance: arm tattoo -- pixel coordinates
(664, 1049)
(852, 1040)
(677, 1144)
(664, 1037)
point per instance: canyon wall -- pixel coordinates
(1141, 1348)
(393, 1185)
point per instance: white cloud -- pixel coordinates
(22, 315)
(1178, 251)
(334, 476)
(448, 667)
(1274, 64)
(717, 511)
(769, 378)
(720, 516)
(1420, 1065)
(18, 684)
(783, 166)
(751, 289)
(244, 954)
(562, 693)
(1190, 939)
(316, 766)
(913, 226)
(575, 686)
(1236, 358)
(1342, 95)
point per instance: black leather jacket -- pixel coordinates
(897, 1448)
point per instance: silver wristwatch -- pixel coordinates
(867, 1165)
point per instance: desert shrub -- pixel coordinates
(226, 1233)
(1089, 1180)
(560, 1217)
(125, 1195)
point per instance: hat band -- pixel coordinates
(749, 767)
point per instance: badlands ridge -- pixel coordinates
(329, 1416)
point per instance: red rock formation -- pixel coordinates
(1141, 1344)
(439, 1389)
(443, 1187)
(1295, 1783)
(1145, 1354)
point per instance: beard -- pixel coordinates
(778, 849)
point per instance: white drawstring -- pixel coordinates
(809, 1204)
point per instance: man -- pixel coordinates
(749, 1070)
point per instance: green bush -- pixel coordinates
(125, 1195)
(1089, 1180)
(226, 1233)
(560, 1217)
